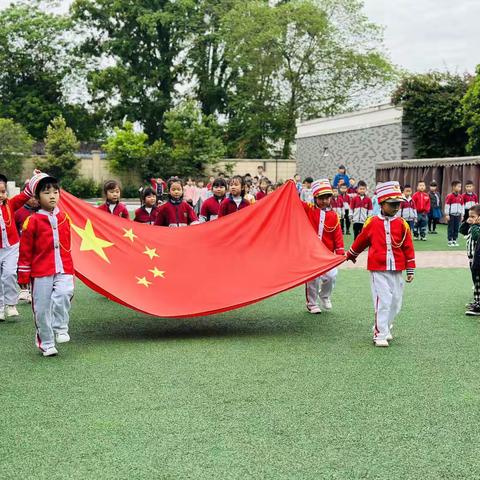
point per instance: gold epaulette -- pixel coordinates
(25, 223)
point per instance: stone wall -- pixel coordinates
(275, 169)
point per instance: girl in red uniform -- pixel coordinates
(113, 205)
(211, 206)
(235, 199)
(263, 187)
(176, 212)
(45, 262)
(327, 224)
(148, 212)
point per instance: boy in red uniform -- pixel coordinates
(327, 224)
(148, 212)
(390, 252)
(46, 263)
(211, 206)
(113, 205)
(421, 199)
(470, 199)
(176, 212)
(345, 197)
(236, 199)
(361, 207)
(454, 212)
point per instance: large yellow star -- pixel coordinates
(143, 281)
(157, 273)
(129, 234)
(90, 241)
(151, 252)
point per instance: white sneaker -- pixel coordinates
(456, 244)
(11, 311)
(389, 337)
(381, 343)
(2, 315)
(25, 296)
(314, 310)
(62, 337)
(50, 352)
(326, 303)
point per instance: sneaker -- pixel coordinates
(415, 237)
(2, 315)
(423, 239)
(474, 310)
(314, 310)
(11, 311)
(450, 244)
(62, 337)
(470, 305)
(456, 244)
(326, 303)
(25, 296)
(389, 337)
(434, 232)
(50, 352)
(381, 343)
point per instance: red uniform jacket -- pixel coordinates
(159, 187)
(229, 206)
(390, 244)
(45, 246)
(469, 200)
(361, 208)
(210, 208)
(327, 224)
(454, 204)
(178, 214)
(337, 205)
(422, 202)
(120, 209)
(7, 220)
(142, 215)
(21, 215)
(260, 194)
(346, 200)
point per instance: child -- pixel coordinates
(211, 206)
(176, 212)
(336, 204)
(421, 200)
(327, 223)
(407, 208)
(390, 252)
(435, 213)
(471, 229)
(148, 212)
(45, 262)
(469, 198)
(9, 249)
(298, 183)
(352, 189)
(159, 186)
(454, 212)
(341, 175)
(345, 222)
(248, 196)
(111, 190)
(263, 187)
(271, 188)
(361, 208)
(234, 200)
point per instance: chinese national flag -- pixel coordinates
(201, 269)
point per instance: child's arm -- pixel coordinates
(338, 240)
(26, 253)
(447, 207)
(18, 201)
(370, 208)
(192, 216)
(464, 228)
(409, 252)
(124, 213)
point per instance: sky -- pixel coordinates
(423, 35)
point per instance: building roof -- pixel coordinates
(377, 116)
(428, 162)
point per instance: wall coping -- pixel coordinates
(428, 162)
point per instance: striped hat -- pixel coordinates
(321, 187)
(34, 181)
(389, 192)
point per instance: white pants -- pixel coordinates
(320, 287)
(51, 297)
(387, 293)
(8, 275)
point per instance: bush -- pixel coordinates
(82, 188)
(130, 191)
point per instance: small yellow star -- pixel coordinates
(129, 234)
(157, 273)
(151, 252)
(90, 241)
(143, 281)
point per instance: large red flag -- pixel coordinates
(202, 269)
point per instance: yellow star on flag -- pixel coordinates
(157, 273)
(129, 234)
(151, 252)
(90, 241)
(143, 281)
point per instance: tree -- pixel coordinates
(432, 107)
(135, 49)
(471, 114)
(61, 145)
(15, 145)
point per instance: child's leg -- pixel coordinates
(382, 298)
(42, 289)
(357, 228)
(450, 229)
(61, 297)
(397, 284)
(423, 225)
(347, 221)
(456, 227)
(328, 284)
(430, 222)
(476, 286)
(9, 275)
(342, 224)
(311, 292)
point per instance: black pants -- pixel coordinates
(476, 283)
(357, 228)
(432, 222)
(346, 222)
(453, 226)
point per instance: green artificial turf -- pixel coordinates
(266, 392)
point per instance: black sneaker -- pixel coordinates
(474, 310)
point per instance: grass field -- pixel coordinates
(266, 392)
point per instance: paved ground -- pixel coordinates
(447, 259)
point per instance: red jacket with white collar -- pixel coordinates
(454, 204)
(229, 206)
(142, 215)
(120, 209)
(45, 246)
(390, 244)
(178, 214)
(327, 224)
(210, 208)
(7, 219)
(469, 200)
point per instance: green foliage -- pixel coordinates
(61, 145)
(83, 187)
(471, 114)
(432, 105)
(15, 145)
